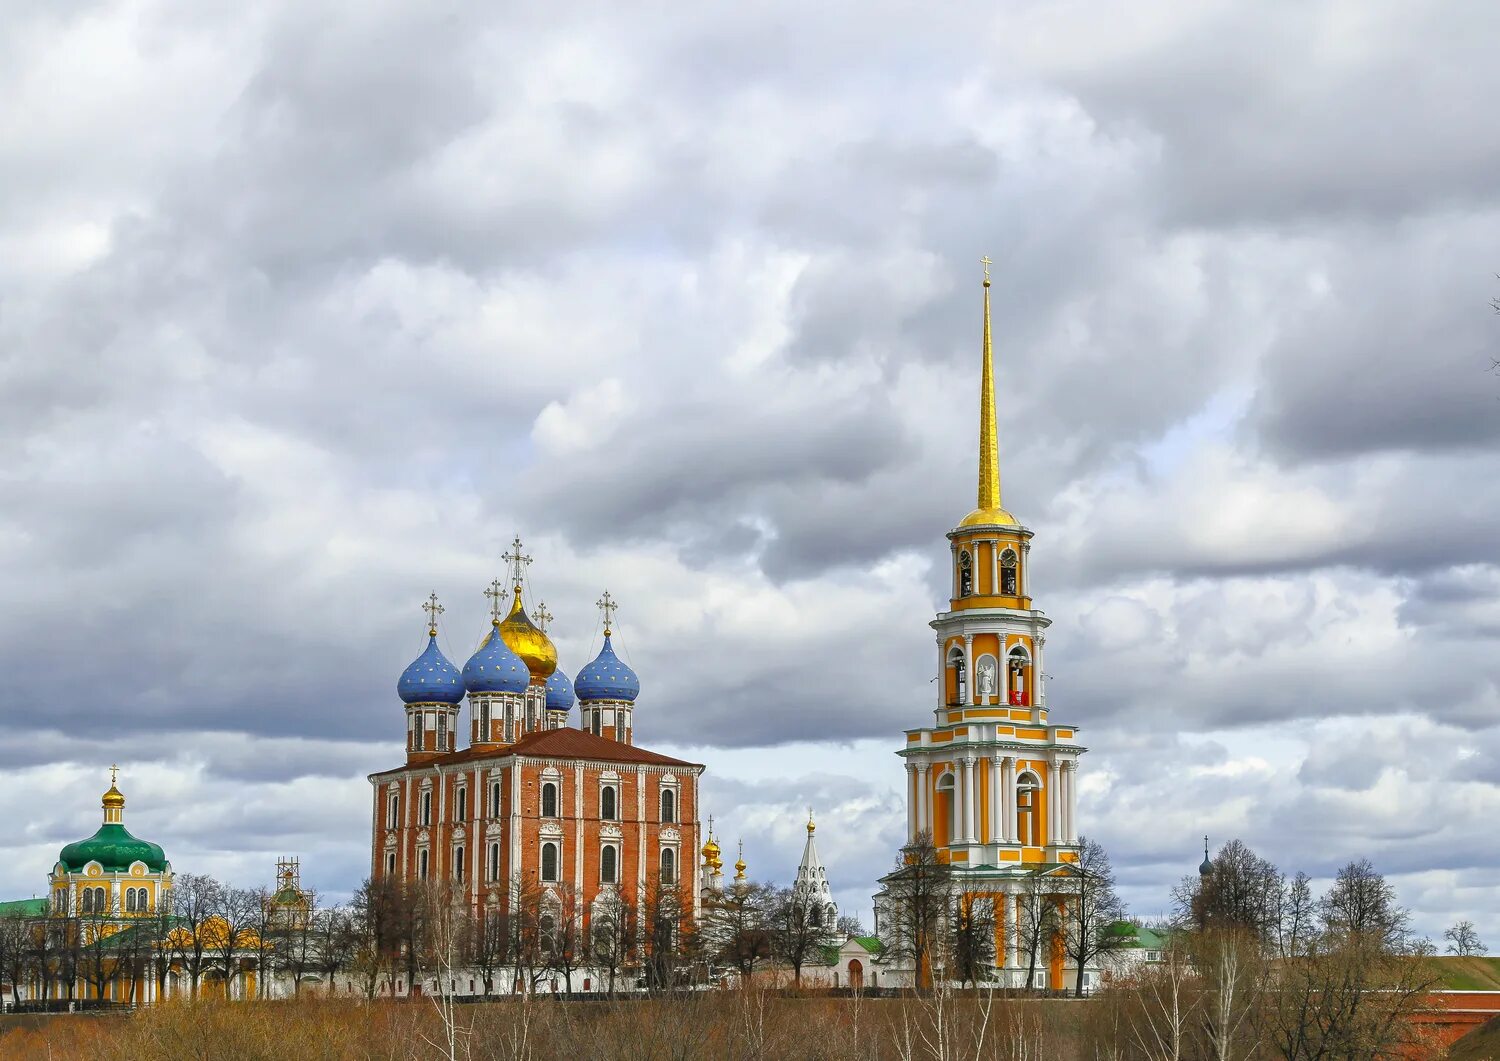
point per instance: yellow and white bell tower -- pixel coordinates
(993, 779)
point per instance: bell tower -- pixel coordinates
(991, 781)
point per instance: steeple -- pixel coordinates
(114, 800)
(988, 510)
(812, 881)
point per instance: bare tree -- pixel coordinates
(612, 935)
(918, 897)
(491, 944)
(14, 947)
(337, 939)
(1361, 902)
(798, 928)
(194, 899)
(1296, 916)
(1231, 961)
(1241, 890)
(564, 943)
(97, 962)
(264, 938)
(230, 929)
(665, 931)
(293, 941)
(1165, 1002)
(737, 927)
(1091, 908)
(1463, 939)
(972, 938)
(1037, 919)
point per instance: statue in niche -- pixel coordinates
(986, 678)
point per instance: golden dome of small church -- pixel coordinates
(112, 873)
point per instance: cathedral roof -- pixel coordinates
(430, 679)
(114, 849)
(607, 677)
(564, 743)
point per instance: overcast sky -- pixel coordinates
(305, 309)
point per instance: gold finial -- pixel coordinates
(433, 610)
(113, 801)
(496, 593)
(607, 608)
(518, 561)
(543, 616)
(739, 865)
(811, 826)
(989, 446)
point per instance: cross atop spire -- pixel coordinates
(114, 773)
(433, 610)
(518, 561)
(985, 261)
(607, 608)
(543, 616)
(495, 591)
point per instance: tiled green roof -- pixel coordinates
(24, 908)
(1131, 935)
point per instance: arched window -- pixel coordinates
(393, 818)
(494, 799)
(668, 866)
(549, 800)
(960, 676)
(607, 809)
(1019, 665)
(390, 864)
(965, 574)
(88, 900)
(463, 803)
(442, 732)
(1028, 816)
(549, 862)
(130, 900)
(598, 722)
(494, 862)
(668, 805)
(609, 864)
(1008, 580)
(946, 823)
(458, 864)
(422, 864)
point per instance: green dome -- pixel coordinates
(114, 849)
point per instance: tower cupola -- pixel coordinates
(606, 687)
(431, 688)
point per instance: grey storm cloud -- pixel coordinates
(303, 314)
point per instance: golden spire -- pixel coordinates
(739, 865)
(988, 510)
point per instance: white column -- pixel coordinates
(992, 766)
(1004, 664)
(1008, 798)
(911, 802)
(942, 681)
(969, 694)
(1073, 802)
(1024, 579)
(953, 565)
(924, 818)
(968, 800)
(1054, 774)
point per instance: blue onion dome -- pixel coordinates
(430, 679)
(495, 667)
(607, 678)
(559, 692)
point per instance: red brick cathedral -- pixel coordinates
(533, 801)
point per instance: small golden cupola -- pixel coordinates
(524, 637)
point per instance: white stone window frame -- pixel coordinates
(611, 780)
(555, 843)
(615, 845)
(673, 848)
(551, 775)
(669, 783)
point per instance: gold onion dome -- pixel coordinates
(114, 799)
(710, 850)
(526, 640)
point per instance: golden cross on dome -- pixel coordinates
(114, 772)
(496, 594)
(607, 607)
(985, 261)
(433, 610)
(543, 616)
(518, 561)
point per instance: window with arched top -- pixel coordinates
(668, 805)
(130, 900)
(668, 866)
(608, 798)
(1019, 664)
(463, 804)
(945, 822)
(1028, 809)
(1008, 580)
(549, 800)
(494, 867)
(965, 574)
(959, 676)
(549, 862)
(609, 864)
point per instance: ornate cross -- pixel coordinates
(543, 616)
(985, 261)
(607, 608)
(114, 772)
(496, 594)
(433, 610)
(518, 561)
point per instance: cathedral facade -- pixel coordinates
(992, 780)
(532, 803)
